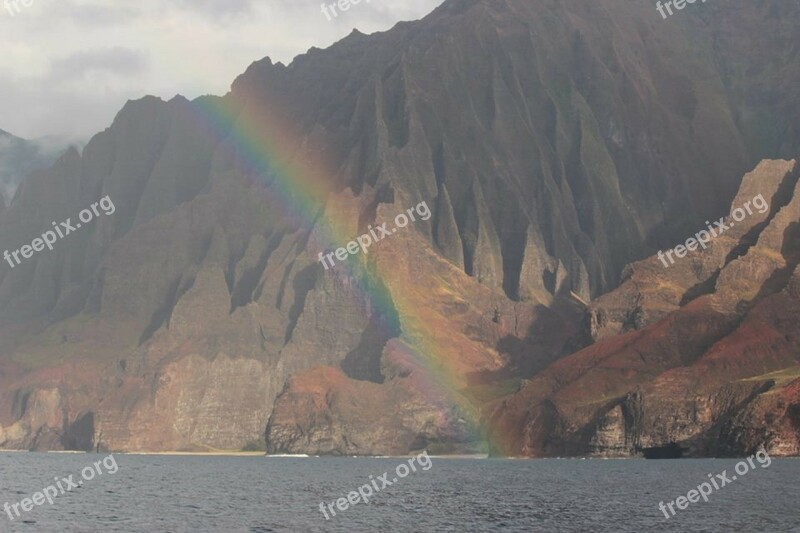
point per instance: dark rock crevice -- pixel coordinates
(364, 361)
(245, 288)
(162, 316)
(79, 436)
(303, 283)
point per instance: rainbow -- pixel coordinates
(260, 138)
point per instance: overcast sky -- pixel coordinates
(68, 66)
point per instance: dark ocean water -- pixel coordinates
(258, 494)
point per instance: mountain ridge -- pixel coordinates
(554, 143)
(19, 157)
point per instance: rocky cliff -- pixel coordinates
(555, 143)
(701, 356)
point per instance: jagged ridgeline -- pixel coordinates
(555, 142)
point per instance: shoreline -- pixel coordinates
(195, 454)
(304, 456)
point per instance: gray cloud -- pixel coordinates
(220, 8)
(115, 60)
(68, 66)
(93, 15)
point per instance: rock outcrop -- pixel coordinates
(712, 372)
(654, 287)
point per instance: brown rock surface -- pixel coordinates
(555, 142)
(717, 375)
(650, 290)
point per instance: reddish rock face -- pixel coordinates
(714, 372)
(555, 143)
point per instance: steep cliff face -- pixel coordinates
(654, 287)
(554, 143)
(714, 372)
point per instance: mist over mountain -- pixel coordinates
(19, 157)
(558, 144)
